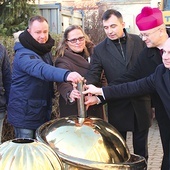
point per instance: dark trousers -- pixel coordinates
(140, 142)
(24, 133)
(164, 128)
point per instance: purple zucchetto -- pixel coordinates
(149, 18)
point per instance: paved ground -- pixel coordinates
(155, 147)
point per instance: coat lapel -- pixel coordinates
(166, 78)
(129, 46)
(113, 50)
(155, 56)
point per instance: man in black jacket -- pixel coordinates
(116, 55)
(154, 34)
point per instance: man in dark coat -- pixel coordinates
(5, 83)
(116, 55)
(159, 81)
(154, 33)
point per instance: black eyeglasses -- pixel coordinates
(76, 39)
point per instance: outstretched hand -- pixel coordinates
(75, 94)
(91, 89)
(74, 77)
(90, 100)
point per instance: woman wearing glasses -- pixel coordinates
(73, 53)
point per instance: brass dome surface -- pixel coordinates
(93, 139)
(28, 154)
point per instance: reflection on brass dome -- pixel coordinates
(28, 154)
(94, 140)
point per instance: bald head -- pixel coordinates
(167, 44)
(166, 53)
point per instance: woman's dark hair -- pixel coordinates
(63, 45)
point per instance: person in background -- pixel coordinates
(5, 83)
(30, 98)
(154, 33)
(116, 55)
(158, 81)
(74, 53)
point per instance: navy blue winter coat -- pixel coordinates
(30, 99)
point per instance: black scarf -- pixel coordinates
(29, 42)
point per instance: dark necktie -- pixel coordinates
(161, 51)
